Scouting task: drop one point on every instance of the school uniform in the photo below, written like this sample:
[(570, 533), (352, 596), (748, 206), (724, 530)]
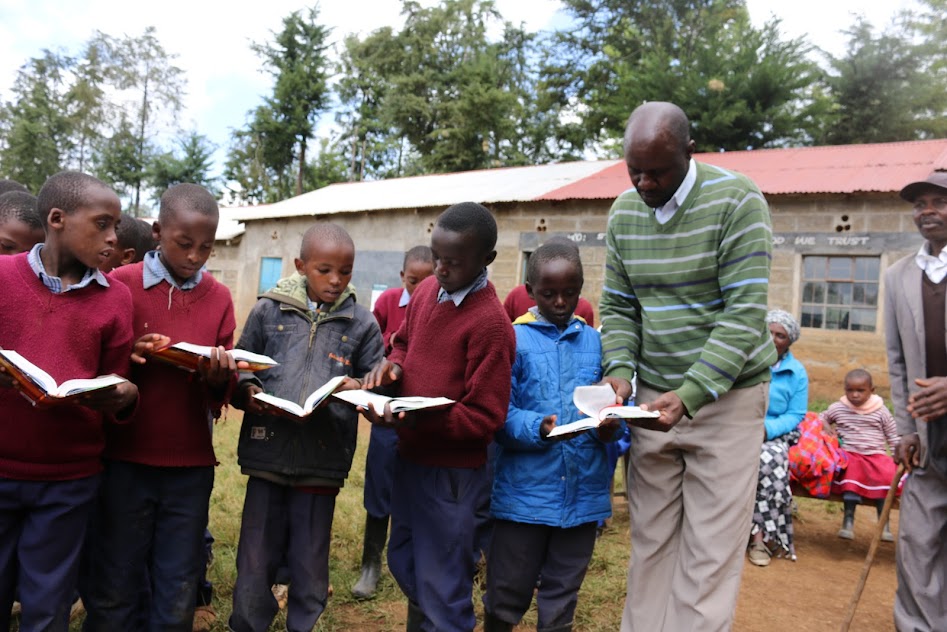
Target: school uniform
[(159, 469), (460, 346), (50, 458)]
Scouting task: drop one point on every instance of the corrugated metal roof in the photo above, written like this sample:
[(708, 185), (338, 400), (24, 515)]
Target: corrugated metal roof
[(513, 184), (227, 226), (877, 167)]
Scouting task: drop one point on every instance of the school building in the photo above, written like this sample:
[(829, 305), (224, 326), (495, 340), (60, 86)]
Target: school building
[(838, 224)]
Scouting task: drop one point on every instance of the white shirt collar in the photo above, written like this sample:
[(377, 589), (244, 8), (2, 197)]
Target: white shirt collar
[(934, 267), (666, 212)]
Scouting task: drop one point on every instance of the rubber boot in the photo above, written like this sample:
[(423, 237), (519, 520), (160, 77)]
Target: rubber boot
[(847, 532), (415, 618), (376, 533), (492, 624), (886, 535)]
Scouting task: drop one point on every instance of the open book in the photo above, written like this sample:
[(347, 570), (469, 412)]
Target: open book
[(398, 404), (187, 356), (293, 409), (39, 386), (598, 402)]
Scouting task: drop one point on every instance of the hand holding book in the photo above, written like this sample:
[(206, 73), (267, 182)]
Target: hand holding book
[(599, 403), (40, 388)]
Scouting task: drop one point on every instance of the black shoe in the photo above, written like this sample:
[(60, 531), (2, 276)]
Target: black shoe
[(492, 624), (847, 532), (415, 618), (376, 533)]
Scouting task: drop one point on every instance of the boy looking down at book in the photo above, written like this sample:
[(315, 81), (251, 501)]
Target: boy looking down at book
[(62, 314), (548, 495), (21, 227), (456, 342), (159, 470), (389, 311), (311, 324)]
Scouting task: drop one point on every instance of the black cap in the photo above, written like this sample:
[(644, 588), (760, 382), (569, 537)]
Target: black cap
[(937, 179)]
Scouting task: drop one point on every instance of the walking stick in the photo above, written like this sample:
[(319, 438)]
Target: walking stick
[(882, 521)]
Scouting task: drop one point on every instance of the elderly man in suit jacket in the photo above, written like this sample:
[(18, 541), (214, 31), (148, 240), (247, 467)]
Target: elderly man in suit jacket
[(917, 361)]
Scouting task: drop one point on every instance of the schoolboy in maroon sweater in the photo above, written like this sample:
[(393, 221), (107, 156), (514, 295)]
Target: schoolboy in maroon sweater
[(456, 342), (63, 315), (159, 470)]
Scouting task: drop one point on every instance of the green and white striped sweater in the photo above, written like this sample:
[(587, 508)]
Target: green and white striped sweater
[(684, 303)]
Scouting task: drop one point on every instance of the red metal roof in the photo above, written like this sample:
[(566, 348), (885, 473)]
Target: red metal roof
[(877, 167)]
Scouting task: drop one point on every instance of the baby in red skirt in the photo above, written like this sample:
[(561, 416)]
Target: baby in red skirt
[(863, 425)]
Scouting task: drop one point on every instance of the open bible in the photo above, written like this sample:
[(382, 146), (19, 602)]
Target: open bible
[(37, 385), (397, 404), (598, 402), (292, 409), (187, 356)]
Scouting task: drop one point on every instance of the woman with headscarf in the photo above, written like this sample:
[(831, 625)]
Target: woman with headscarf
[(771, 532)]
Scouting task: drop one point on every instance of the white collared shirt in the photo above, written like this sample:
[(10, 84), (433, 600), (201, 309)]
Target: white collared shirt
[(664, 213), (934, 267)]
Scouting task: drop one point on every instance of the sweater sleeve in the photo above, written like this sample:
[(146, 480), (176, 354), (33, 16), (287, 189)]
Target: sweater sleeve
[(521, 430), (743, 262), (786, 421), (620, 312), (228, 324), (890, 429), (117, 348)]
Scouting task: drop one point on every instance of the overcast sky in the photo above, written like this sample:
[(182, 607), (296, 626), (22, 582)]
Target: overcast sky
[(211, 38)]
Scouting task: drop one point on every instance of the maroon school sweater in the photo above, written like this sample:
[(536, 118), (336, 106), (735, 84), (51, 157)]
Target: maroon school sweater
[(172, 424), (388, 314), (465, 353), (77, 334)]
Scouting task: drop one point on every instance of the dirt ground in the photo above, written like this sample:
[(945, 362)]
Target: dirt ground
[(810, 594)]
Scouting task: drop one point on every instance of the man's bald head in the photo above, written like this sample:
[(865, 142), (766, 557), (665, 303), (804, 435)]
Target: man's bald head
[(657, 118), (658, 151)]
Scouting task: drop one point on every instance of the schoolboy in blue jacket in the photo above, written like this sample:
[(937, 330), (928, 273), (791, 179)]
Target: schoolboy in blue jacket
[(548, 495)]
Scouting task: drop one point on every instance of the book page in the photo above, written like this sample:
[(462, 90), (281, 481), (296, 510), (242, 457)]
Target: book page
[(364, 399), (590, 400), (283, 404), (629, 412), (416, 403), (187, 355), (78, 386), (576, 426), (321, 393), (30, 371)]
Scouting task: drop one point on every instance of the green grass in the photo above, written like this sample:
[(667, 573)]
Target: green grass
[(600, 600)]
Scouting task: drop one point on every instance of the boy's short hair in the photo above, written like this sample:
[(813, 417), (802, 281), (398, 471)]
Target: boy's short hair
[(859, 374), (324, 231), (127, 232), (66, 191), (144, 239), (20, 206), (549, 251), (11, 185), (418, 253), (471, 217), (192, 197)]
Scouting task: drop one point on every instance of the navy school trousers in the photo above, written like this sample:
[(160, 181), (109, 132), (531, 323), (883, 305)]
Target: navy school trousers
[(431, 547), (379, 467), (42, 529), (522, 554), (282, 525)]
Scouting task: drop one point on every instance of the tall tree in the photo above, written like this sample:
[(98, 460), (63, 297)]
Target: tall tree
[(892, 85), (36, 123), (146, 73), (87, 101), (119, 158), (192, 161), (743, 87), (297, 59)]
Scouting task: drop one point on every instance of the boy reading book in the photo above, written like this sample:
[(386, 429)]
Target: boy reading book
[(456, 342), (311, 324), (548, 495), (50, 457), (159, 469)]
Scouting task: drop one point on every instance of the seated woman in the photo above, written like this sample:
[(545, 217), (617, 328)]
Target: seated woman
[(788, 399)]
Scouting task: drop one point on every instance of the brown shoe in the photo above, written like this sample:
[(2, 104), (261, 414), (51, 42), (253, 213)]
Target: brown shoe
[(759, 554), (204, 617)]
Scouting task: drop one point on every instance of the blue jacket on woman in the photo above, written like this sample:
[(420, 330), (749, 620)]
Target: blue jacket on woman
[(557, 483), (788, 397)]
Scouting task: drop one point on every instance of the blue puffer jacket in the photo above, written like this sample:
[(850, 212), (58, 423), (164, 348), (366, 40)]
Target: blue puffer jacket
[(557, 483)]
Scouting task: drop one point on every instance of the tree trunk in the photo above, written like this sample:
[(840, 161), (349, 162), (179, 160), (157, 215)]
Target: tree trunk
[(141, 145), (302, 166)]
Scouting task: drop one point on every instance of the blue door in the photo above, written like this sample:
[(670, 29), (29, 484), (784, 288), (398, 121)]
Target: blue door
[(270, 270)]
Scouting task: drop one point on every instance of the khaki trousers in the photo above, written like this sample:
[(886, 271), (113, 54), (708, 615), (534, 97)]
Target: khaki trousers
[(690, 498)]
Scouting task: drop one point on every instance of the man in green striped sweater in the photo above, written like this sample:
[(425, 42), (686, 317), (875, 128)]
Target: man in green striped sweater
[(683, 305)]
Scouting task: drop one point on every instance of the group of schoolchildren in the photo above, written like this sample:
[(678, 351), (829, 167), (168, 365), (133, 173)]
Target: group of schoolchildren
[(110, 495)]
